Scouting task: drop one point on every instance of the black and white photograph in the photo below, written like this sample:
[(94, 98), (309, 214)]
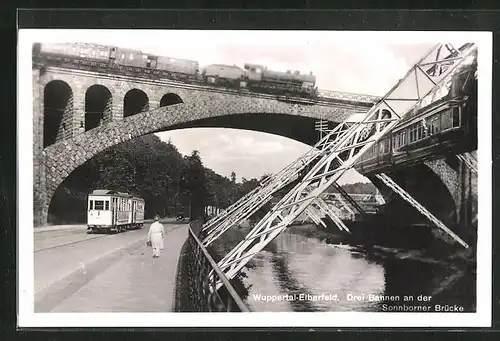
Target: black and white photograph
[(176, 178)]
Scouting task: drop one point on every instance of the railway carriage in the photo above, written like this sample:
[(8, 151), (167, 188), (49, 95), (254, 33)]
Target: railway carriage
[(178, 69), (128, 57), (94, 52), (228, 75), (112, 211), (446, 125), (79, 50), (253, 77)]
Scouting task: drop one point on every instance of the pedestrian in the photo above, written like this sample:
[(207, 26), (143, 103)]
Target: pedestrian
[(155, 236)]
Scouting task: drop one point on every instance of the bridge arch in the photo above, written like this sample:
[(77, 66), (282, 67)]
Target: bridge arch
[(461, 183), (135, 102), (203, 110), (425, 186), (57, 111), (98, 106), (169, 99)]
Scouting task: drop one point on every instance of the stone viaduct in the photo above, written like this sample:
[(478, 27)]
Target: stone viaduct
[(78, 114)]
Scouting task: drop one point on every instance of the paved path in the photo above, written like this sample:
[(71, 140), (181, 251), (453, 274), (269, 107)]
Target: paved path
[(55, 263), (127, 279)]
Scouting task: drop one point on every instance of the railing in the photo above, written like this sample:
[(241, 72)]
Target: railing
[(203, 296), (323, 94)]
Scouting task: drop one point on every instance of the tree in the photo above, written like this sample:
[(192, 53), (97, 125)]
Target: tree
[(194, 182), (169, 182)]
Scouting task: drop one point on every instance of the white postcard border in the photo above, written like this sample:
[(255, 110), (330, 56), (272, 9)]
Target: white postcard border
[(26, 315)]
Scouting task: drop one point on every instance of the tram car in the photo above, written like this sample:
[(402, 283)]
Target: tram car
[(112, 211), (251, 77), (446, 125)]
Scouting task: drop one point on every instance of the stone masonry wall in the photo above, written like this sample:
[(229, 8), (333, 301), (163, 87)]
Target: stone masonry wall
[(66, 155), (39, 176), (458, 181), (462, 184), (155, 91)]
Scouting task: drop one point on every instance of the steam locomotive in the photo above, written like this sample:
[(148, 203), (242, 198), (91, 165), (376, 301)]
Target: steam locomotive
[(252, 77)]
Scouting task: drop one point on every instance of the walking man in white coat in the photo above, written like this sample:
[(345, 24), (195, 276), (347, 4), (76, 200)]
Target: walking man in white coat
[(155, 237)]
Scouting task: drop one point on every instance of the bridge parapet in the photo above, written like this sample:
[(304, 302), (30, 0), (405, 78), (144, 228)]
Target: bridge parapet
[(197, 276), (346, 96), (60, 158), (77, 101)]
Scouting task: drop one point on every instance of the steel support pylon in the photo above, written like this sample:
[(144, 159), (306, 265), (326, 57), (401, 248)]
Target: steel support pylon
[(346, 196), (423, 80), (255, 199), (469, 160), (399, 190), (340, 198)]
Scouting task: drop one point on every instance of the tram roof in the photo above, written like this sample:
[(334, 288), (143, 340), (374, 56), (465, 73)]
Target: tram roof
[(110, 192)]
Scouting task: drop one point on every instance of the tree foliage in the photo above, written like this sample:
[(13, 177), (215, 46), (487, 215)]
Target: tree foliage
[(360, 188), (170, 183)]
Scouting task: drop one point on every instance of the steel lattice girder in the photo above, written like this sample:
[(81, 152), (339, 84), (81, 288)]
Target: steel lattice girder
[(396, 188), (346, 195), (423, 80), (469, 161), (253, 201), (340, 199)]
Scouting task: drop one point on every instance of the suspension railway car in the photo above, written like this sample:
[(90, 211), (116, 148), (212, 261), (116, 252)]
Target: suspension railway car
[(252, 77), (112, 211), (447, 125)]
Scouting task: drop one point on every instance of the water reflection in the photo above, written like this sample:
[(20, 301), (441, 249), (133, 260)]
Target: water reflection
[(305, 274)]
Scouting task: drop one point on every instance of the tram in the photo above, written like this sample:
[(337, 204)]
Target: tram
[(112, 211)]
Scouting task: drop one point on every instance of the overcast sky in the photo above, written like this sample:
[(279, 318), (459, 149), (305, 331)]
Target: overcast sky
[(358, 64)]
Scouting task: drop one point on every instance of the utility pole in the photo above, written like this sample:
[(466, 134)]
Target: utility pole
[(321, 126), (101, 172), (178, 187)]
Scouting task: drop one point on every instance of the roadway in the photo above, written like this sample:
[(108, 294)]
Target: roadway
[(80, 272)]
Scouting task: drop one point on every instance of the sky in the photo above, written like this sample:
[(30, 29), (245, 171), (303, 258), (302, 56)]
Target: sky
[(365, 64)]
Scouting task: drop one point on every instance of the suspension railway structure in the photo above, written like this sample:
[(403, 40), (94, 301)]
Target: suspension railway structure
[(324, 164)]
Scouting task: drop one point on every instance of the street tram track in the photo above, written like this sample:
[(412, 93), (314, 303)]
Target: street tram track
[(94, 238), (71, 243)]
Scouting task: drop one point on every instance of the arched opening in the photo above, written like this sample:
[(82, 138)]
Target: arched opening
[(57, 112), (135, 101), (425, 187), (169, 99), (297, 128), (98, 106)]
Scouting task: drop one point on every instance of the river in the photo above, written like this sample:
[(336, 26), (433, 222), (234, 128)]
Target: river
[(299, 273)]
